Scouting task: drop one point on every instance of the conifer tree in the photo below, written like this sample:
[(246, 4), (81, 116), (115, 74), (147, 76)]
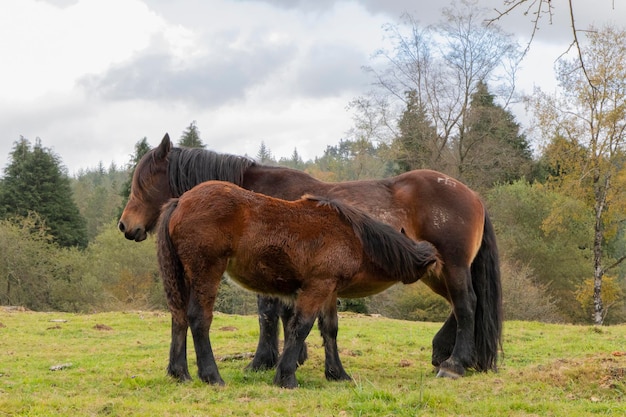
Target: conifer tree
[(35, 181), (191, 137), (416, 145), (264, 155), (492, 149)]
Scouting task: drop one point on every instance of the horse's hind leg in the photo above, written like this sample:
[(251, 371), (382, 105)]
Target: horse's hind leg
[(443, 342), (463, 300), (328, 324), (200, 314), (266, 354), (177, 367)]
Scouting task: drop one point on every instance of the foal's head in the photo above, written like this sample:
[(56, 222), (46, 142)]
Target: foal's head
[(150, 189)]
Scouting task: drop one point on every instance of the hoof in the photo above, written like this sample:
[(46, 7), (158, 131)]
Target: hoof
[(444, 373), (261, 364), (180, 376), (212, 378), (218, 382), (337, 376), (289, 383), (450, 369), (286, 381), (257, 367)]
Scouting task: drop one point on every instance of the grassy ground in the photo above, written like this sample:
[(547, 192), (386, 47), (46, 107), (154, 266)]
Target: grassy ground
[(113, 364)]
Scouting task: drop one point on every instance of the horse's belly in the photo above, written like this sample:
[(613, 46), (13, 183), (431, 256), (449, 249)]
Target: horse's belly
[(264, 278), (363, 288)]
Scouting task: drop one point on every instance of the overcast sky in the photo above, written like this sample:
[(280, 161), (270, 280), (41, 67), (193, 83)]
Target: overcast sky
[(92, 77)]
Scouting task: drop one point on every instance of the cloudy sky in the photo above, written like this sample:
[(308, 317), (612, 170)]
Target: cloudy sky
[(92, 77)]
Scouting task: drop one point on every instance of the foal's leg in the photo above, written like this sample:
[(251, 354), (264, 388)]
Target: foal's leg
[(286, 314), (266, 354), (177, 367), (328, 324), (178, 302), (297, 330), (200, 313)]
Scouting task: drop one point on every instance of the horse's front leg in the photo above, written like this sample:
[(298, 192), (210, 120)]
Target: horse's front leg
[(266, 354), (463, 300), (286, 314), (200, 315), (328, 323), (298, 329)]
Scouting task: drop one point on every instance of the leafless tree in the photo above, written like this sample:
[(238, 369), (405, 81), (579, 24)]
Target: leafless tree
[(443, 65)]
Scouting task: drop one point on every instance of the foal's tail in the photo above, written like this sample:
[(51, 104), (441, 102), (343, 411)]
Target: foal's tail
[(485, 271), (172, 271), (390, 250)]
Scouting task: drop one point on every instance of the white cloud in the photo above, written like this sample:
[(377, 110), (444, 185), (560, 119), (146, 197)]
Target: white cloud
[(47, 48), (92, 77)]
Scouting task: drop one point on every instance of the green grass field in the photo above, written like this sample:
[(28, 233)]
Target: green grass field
[(113, 364)]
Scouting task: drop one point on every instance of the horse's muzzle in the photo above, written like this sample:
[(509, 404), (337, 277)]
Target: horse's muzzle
[(138, 234)]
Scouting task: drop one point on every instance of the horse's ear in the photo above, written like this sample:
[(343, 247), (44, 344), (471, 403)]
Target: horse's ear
[(164, 147)]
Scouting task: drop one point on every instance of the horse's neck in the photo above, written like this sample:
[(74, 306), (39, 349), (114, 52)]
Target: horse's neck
[(281, 182), (189, 168)]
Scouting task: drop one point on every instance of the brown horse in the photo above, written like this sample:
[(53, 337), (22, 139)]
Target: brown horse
[(307, 251), (425, 205)]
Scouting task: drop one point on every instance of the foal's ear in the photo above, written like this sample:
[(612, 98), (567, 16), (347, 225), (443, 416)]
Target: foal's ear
[(164, 148)]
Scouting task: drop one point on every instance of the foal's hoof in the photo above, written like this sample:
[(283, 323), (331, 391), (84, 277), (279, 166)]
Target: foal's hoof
[(213, 380), (335, 375), (262, 362), (180, 376), (286, 381)]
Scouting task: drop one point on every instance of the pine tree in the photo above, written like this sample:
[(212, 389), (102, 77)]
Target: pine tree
[(35, 181), (264, 156), (191, 137), (493, 150), (416, 145)]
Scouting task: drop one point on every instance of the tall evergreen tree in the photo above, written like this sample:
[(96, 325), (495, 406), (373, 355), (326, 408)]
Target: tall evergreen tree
[(416, 145), (294, 161), (493, 150), (191, 137), (97, 193), (35, 181), (264, 156)]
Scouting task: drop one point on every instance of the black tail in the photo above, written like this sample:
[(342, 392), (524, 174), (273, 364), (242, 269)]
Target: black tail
[(485, 271), (172, 271)]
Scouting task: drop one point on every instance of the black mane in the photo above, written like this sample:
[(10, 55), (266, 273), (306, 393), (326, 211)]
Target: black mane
[(189, 167)]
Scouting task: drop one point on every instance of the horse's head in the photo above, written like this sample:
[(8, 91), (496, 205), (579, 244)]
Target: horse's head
[(149, 190)]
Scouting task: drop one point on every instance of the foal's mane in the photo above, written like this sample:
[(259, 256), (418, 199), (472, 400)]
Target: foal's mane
[(189, 167), (387, 248)]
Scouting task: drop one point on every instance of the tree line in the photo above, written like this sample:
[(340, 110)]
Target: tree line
[(440, 100)]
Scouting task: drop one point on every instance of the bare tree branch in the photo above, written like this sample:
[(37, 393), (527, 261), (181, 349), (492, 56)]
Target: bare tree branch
[(538, 9), (538, 13)]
